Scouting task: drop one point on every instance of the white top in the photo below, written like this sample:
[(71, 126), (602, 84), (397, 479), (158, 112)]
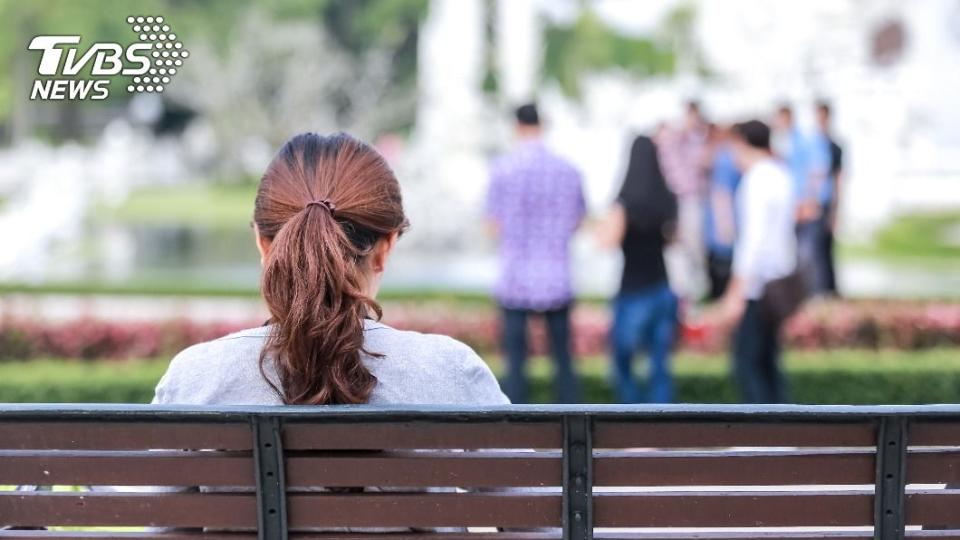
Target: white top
[(415, 369), (766, 244)]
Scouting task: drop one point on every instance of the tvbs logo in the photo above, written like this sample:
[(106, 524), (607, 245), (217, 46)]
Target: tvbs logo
[(151, 61)]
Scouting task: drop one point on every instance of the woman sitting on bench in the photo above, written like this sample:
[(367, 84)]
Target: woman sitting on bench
[(327, 215)]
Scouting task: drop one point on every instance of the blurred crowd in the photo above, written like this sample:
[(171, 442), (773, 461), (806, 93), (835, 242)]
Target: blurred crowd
[(698, 165), (740, 217)]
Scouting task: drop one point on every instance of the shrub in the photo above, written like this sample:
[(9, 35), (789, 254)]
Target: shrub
[(821, 325), (837, 377)]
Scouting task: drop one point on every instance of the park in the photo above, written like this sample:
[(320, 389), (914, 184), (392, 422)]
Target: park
[(477, 269)]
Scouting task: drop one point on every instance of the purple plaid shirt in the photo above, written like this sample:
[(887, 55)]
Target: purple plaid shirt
[(536, 199)]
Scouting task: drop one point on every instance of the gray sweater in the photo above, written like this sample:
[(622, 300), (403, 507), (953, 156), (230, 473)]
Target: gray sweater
[(416, 369)]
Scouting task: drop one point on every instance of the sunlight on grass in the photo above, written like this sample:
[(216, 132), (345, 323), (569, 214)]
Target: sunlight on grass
[(205, 205), (928, 237)]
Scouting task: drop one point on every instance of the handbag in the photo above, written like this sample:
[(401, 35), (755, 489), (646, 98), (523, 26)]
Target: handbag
[(782, 297)]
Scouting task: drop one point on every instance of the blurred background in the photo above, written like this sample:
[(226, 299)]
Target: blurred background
[(125, 222)]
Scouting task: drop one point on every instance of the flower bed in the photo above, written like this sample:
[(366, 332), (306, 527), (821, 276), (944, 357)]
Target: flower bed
[(866, 324)]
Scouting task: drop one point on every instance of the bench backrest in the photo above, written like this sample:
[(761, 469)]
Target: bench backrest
[(570, 472)]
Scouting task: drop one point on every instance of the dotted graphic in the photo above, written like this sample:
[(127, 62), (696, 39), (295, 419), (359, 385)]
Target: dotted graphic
[(166, 52)]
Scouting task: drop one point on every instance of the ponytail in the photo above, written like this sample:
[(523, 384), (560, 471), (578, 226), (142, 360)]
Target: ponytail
[(313, 276)]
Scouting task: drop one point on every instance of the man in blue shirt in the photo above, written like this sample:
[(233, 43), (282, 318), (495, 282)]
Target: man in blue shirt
[(720, 225), (808, 165), (792, 148)]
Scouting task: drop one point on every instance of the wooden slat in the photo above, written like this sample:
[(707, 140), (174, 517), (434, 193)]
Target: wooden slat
[(640, 534), (219, 510), (637, 534), (124, 535), (410, 435), (426, 469), (424, 510), (122, 436), (733, 509), (933, 467), (719, 435), (422, 535), (126, 468), (732, 468), (742, 534), (934, 433), (935, 508), (97, 535), (702, 534)]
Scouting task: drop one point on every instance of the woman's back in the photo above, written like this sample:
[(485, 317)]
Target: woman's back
[(414, 369), (327, 215), (649, 209)]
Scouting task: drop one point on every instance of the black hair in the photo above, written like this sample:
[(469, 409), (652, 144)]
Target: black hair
[(527, 115), (753, 132), (824, 107), (649, 204), (693, 106), (784, 108)]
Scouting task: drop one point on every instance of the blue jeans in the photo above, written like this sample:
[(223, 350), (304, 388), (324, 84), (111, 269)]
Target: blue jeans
[(815, 254), (644, 320), (515, 349)]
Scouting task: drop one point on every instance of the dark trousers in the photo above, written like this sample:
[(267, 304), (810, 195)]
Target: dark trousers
[(827, 272), (808, 252), (718, 269), (756, 358), (514, 336), (815, 251)]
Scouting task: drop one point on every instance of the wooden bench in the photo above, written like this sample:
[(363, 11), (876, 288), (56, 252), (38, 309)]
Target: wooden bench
[(725, 472)]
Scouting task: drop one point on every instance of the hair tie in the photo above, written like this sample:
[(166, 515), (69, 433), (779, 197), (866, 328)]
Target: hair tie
[(326, 203)]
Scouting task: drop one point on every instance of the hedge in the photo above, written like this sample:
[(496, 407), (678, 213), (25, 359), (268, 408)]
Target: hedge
[(837, 377), (822, 325)]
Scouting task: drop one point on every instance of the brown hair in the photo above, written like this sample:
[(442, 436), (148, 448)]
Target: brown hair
[(323, 202)]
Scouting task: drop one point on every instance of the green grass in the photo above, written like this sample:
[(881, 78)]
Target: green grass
[(203, 205), (128, 288), (79, 381), (843, 376), (918, 237), (182, 288)]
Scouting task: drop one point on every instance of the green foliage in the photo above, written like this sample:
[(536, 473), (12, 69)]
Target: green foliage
[(136, 286), (845, 377), (925, 241), (922, 235), (491, 82), (835, 377), (358, 26), (219, 206), (589, 45), (184, 288), (23, 20), (58, 381)]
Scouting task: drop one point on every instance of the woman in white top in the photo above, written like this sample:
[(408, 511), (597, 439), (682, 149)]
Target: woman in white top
[(327, 215)]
